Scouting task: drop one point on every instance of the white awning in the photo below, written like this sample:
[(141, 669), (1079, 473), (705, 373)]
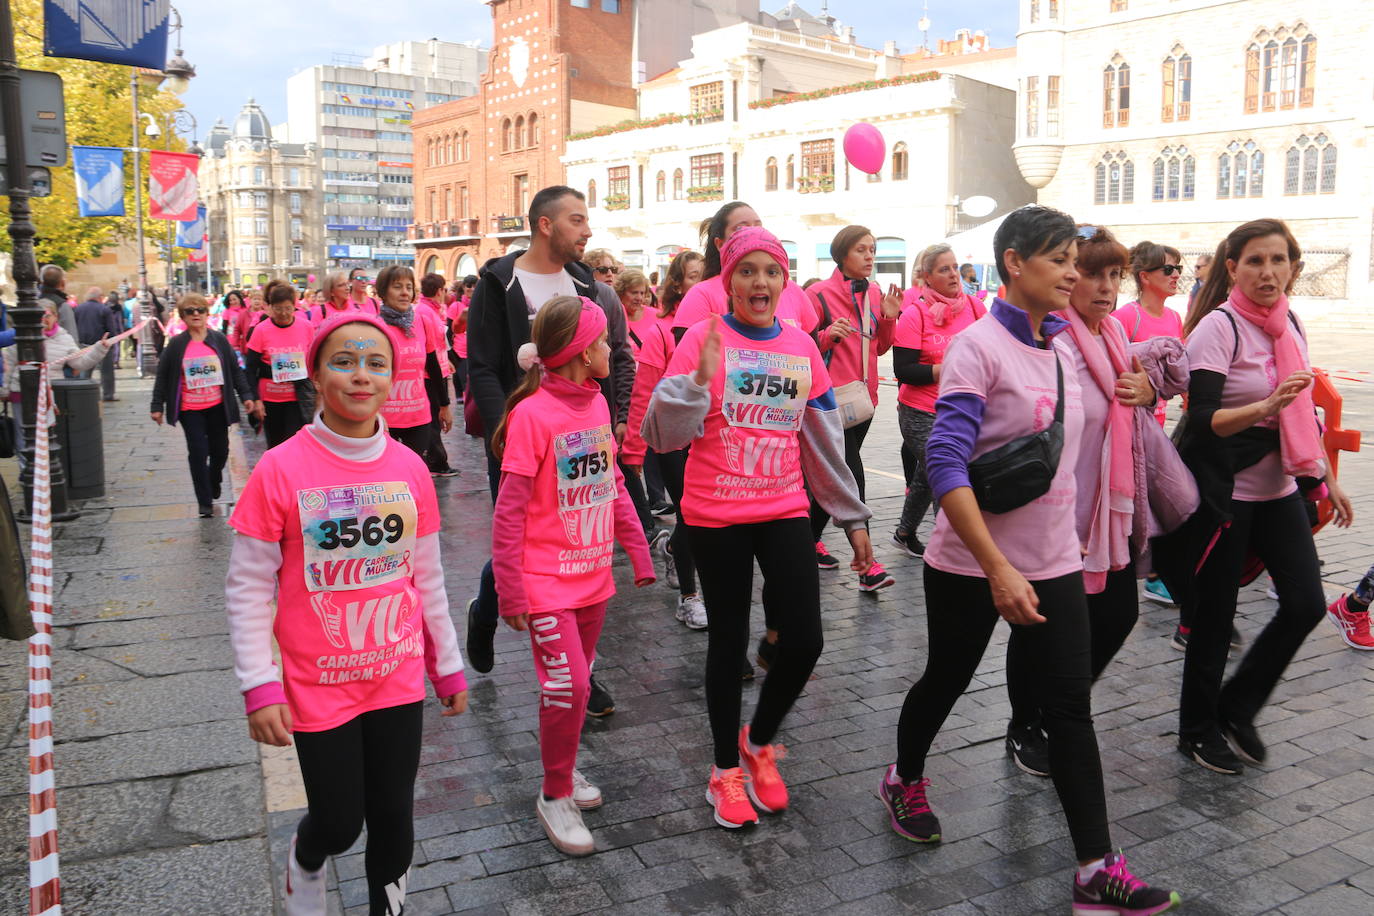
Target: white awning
[(975, 245)]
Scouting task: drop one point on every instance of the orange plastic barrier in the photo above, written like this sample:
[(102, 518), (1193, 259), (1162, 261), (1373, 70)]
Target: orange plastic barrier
[(1335, 439)]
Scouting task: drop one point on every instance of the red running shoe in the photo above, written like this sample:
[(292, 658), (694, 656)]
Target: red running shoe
[(765, 785)]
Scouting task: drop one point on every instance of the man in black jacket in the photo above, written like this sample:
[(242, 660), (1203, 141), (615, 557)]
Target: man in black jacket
[(510, 291), (94, 320)]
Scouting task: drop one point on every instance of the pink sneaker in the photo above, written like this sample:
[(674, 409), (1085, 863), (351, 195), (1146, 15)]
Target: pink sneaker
[(823, 558), (765, 785), (1354, 628), (875, 578)]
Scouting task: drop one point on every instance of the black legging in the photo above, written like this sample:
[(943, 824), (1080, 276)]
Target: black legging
[(1278, 533), (853, 442), (207, 449), (362, 772), (1112, 615), (960, 616), (673, 464), (280, 421), (416, 438), (725, 562), (634, 485)]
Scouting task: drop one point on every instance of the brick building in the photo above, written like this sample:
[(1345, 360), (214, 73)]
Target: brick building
[(556, 67)]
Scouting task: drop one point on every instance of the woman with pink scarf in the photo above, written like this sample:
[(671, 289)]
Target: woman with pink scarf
[(1252, 440)]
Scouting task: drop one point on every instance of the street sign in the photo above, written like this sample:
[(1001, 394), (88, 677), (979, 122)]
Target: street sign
[(45, 119), (40, 182)]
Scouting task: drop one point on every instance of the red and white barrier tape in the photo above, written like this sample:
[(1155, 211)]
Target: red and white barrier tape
[(45, 890)]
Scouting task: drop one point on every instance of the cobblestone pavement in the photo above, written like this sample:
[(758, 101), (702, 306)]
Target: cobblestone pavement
[(165, 806)]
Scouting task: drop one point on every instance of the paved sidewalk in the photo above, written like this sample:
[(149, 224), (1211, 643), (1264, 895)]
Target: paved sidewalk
[(162, 806)]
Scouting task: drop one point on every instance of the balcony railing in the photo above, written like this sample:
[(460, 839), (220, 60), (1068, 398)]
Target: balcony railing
[(706, 192), (816, 184)]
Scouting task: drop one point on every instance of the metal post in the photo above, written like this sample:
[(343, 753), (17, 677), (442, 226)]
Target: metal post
[(27, 313), (147, 355)]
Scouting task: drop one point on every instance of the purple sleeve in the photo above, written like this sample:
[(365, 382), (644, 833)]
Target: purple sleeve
[(958, 418)]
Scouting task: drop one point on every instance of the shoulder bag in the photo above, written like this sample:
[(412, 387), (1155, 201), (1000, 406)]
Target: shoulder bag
[(1021, 471), (853, 400)]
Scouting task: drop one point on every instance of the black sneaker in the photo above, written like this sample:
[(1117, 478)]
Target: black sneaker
[(908, 808), (481, 651), (1180, 639), (658, 538), (207, 511), (823, 558), (1029, 749), (599, 704), (663, 509), (875, 578), (444, 472), (1213, 753), (767, 653), (216, 489), (1245, 740), (909, 543), (1116, 890)]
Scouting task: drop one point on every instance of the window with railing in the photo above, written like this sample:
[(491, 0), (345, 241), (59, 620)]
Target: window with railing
[(770, 174), (1116, 93), (463, 211), (1052, 106), (817, 165), (708, 177), (1032, 94), (1175, 175), (1114, 179), (1310, 166), (707, 101), (520, 193), (618, 188), (1177, 92), (1281, 70), (1240, 171)]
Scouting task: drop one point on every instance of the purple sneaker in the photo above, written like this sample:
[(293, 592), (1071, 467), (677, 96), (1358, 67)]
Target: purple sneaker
[(1116, 892), (908, 808)]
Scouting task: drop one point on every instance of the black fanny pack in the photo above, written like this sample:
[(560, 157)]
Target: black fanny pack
[(1021, 471)]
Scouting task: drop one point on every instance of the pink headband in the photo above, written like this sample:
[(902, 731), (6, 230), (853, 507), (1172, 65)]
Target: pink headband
[(337, 320), (590, 325), (749, 239)]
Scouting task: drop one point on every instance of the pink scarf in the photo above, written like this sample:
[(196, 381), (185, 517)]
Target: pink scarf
[(944, 309), (1299, 445), (1109, 549)]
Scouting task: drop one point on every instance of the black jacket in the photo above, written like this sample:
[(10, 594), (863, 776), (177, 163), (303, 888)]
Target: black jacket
[(498, 323), (167, 387)]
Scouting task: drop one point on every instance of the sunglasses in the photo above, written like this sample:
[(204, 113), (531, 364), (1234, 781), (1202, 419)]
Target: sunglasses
[(1170, 269), (195, 311), (607, 270)]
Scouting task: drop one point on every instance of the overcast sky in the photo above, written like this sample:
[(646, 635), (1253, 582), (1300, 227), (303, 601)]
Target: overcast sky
[(249, 47)]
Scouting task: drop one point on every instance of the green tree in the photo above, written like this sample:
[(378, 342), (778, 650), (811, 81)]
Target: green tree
[(99, 110)]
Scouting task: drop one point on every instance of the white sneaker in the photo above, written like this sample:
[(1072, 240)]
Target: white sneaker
[(691, 610), (304, 889), (562, 821), (669, 567), (585, 795)]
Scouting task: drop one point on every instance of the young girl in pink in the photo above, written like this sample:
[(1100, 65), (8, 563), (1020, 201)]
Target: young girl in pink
[(341, 524), (561, 507)]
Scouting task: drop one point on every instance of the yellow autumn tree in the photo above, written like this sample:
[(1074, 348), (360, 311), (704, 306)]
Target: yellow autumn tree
[(99, 109)]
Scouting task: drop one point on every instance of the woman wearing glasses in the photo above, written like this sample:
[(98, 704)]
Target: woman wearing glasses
[(357, 293), (192, 375), (603, 265), (1156, 269)]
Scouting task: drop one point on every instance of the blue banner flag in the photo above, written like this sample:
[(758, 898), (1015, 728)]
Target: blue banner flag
[(99, 180), (131, 32), (191, 232)]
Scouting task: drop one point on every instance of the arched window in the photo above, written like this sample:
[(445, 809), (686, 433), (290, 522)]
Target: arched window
[(1114, 179), (900, 160), (1116, 93), (434, 265), (677, 184), (770, 174), (429, 151), (466, 148), (1288, 74), (1175, 175), (591, 193), (445, 156), (1310, 166), (1280, 69), (519, 132), (505, 136), (532, 129), (1269, 75), (1307, 77), (661, 187), (1240, 171), (791, 172), (1177, 92), (452, 149)]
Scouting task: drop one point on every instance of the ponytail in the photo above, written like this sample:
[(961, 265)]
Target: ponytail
[(1218, 286), (1215, 290), (528, 386)]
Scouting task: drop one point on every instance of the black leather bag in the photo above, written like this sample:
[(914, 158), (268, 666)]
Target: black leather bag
[(1021, 471)]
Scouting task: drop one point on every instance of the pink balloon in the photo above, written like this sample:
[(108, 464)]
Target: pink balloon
[(310, 279), (865, 147)]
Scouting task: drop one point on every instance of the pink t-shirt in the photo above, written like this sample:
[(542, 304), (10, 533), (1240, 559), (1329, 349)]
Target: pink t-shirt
[(708, 298), (638, 331), (1141, 325), (1017, 383), (460, 339), (321, 311), (746, 467), (916, 330), (437, 328), (283, 350), (349, 618), (569, 452), (1251, 376), (202, 377), (369, 304), (408, 404)]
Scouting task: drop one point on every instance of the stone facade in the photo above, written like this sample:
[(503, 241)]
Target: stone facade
[(1214, 91)]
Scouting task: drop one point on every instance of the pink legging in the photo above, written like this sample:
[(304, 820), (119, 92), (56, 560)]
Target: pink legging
[(564, 645)]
